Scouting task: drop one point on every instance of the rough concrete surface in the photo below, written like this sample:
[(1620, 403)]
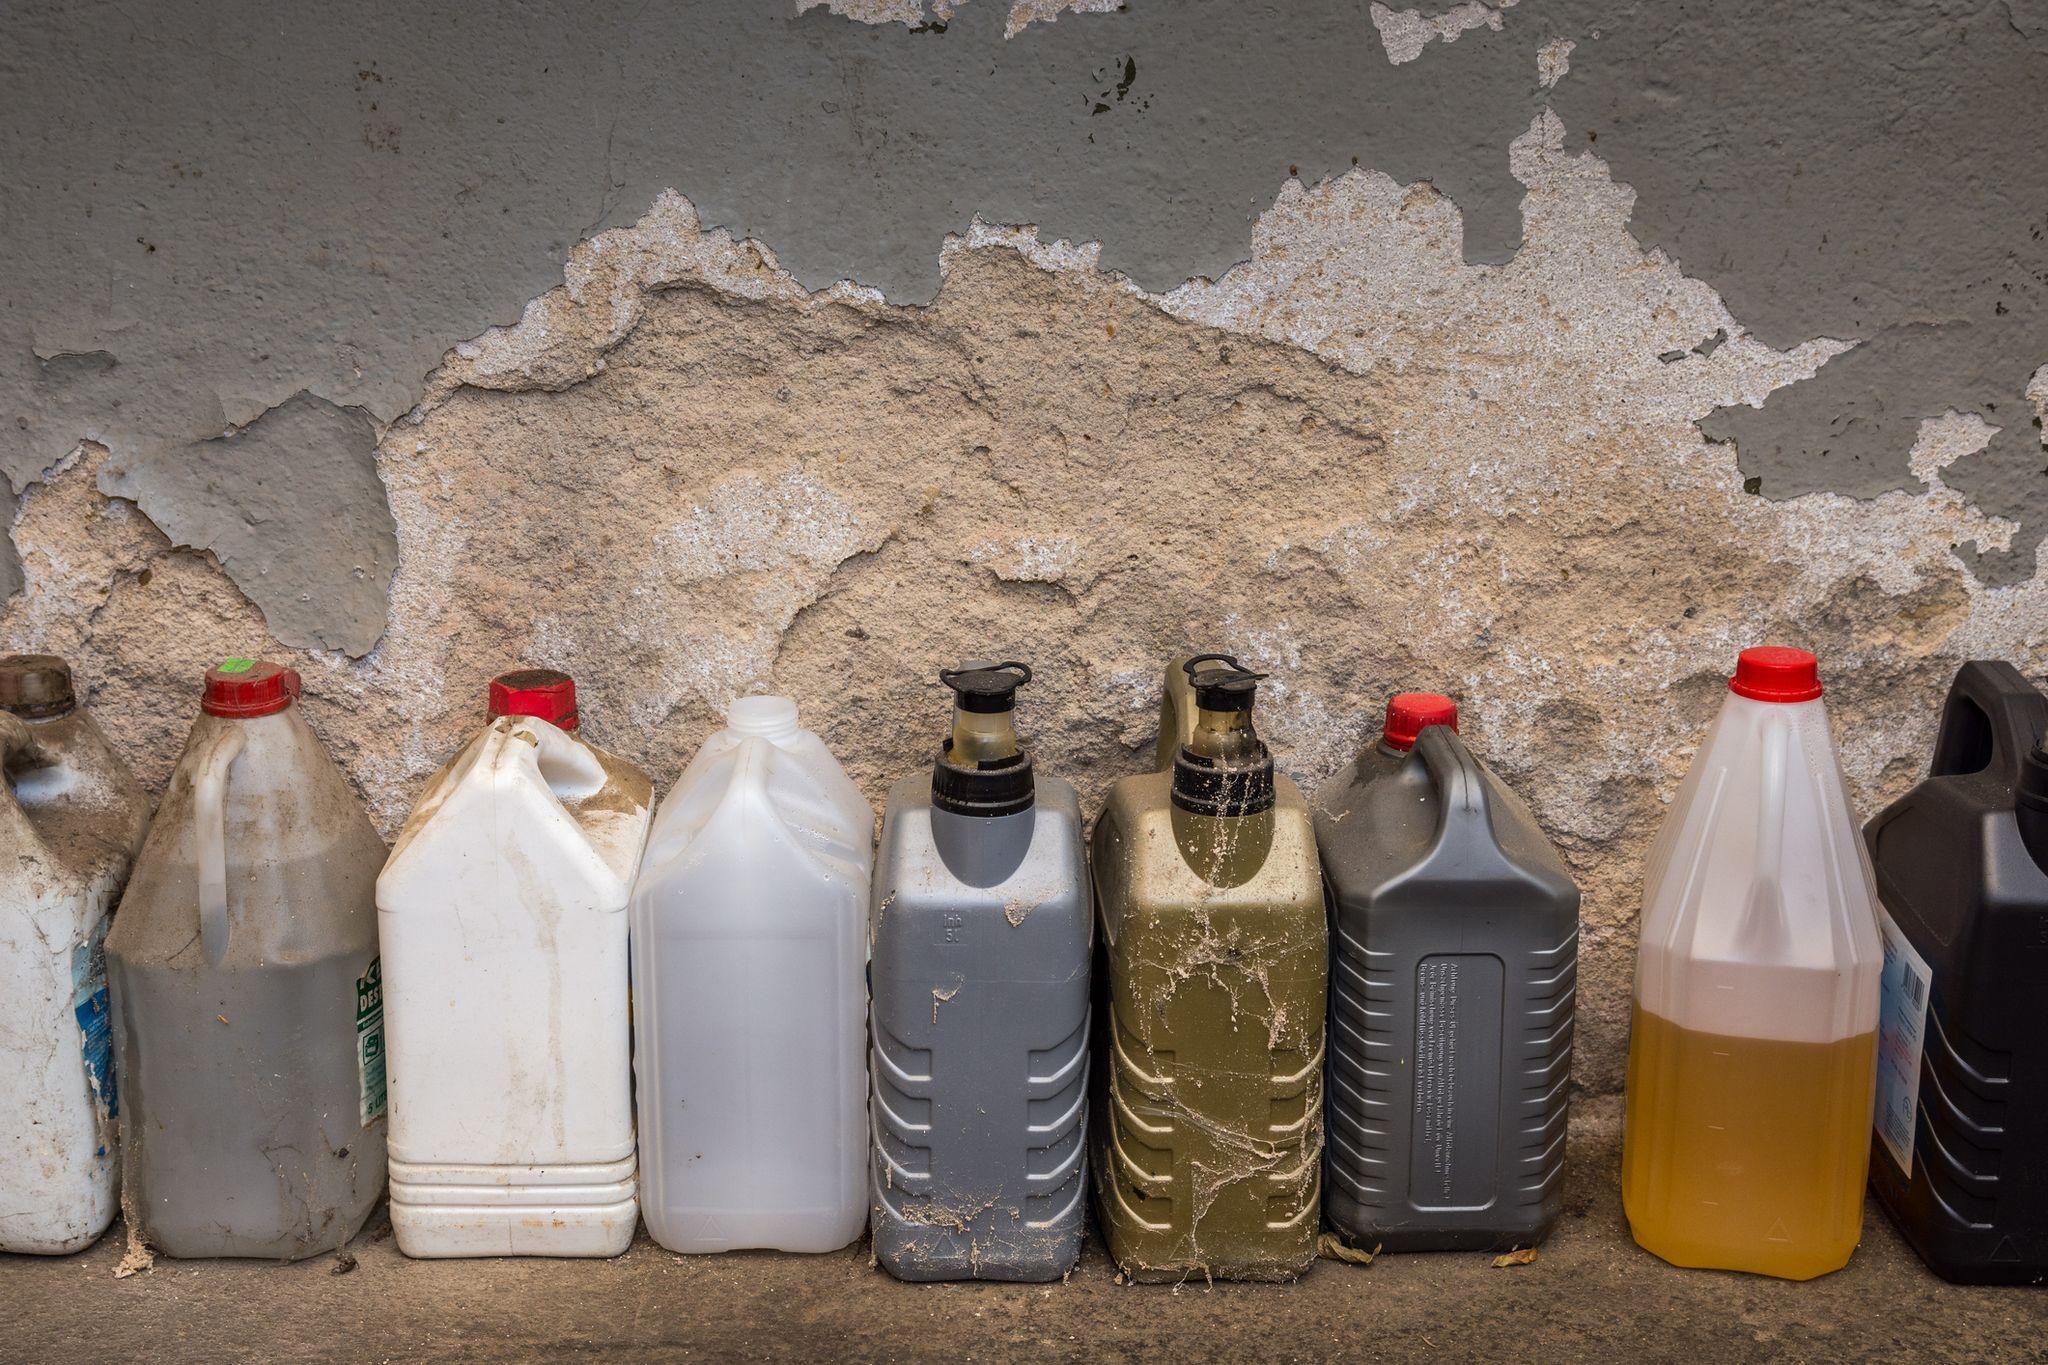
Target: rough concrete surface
[(1589, 1295), (213, 208)]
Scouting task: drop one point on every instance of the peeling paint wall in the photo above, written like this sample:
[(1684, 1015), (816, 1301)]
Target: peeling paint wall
[(702, 351)]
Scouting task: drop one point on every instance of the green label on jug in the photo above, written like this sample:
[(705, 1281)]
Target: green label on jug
[(370, 1038), (236, 665)]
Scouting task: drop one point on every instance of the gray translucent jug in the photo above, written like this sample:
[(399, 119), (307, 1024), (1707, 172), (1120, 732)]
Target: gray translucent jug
[(1453, 967), (980, 927), (248, 1008)]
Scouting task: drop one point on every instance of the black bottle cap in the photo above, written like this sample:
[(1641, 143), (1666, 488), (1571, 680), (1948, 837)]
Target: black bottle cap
[(34, 686), (1201, 786), (1003, 786), (987, 689), (1230, 688)]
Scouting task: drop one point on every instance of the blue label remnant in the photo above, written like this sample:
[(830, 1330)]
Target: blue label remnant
[(95, 1020)]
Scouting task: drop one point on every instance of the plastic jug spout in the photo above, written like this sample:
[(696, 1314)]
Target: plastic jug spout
[(2031, 804), (983, 769), (1224, 768)]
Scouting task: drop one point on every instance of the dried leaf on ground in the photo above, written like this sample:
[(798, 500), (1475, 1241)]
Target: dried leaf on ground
[(1332, 1247)]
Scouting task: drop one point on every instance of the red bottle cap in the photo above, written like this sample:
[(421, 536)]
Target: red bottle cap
[(241, 689), (1410, 713), (539, 692), (1775, 673)]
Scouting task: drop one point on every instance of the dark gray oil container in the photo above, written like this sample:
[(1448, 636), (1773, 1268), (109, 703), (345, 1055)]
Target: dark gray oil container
[(1960, 1153), (247, 1003), (1454, 962), (980, 928)]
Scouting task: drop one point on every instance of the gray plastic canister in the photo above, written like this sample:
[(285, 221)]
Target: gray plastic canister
[(247, 1002), (981, 932), (1454, 964)]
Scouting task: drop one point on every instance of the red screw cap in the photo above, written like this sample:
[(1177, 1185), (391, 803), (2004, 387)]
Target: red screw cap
[(538, 692), (1410, 713), (1775, 673), (242, 689)]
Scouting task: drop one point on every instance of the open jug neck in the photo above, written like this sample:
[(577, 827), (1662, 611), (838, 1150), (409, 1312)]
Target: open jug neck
[(982, 769), (1224, 768), (36, 687)]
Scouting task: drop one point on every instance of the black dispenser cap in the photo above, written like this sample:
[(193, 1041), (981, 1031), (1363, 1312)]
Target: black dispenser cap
[(1239, 785), (991, 787), (1230, 688), (987, 689)]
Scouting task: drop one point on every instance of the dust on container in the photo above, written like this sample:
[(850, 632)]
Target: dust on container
[(502, 915), (1454, 966), (248, 1006), (1960, 1154), (749, 997), (980, 925), (1754, 1036), (1211, 991), (71, 820)]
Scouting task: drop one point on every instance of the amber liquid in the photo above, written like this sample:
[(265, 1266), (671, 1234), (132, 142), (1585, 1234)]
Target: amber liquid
[(1746, 1153)]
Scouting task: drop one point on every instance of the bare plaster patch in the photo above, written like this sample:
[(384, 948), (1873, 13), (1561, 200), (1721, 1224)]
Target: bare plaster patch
[(1554, 61), (1404, 33), (914, 14)]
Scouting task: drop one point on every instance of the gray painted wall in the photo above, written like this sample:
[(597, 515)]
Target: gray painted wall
[(242, 215)]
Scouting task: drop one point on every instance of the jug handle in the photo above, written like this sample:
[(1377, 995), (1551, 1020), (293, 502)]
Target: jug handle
[(1990, 701), (1766, 908), (209, 809), (1465, 848), (570, 770), (19, 745)]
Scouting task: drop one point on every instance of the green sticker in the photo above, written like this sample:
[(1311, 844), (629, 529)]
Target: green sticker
[(370, 1039), (236, 665)]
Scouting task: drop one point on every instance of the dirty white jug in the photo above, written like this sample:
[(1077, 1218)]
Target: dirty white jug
[(502, 915), (71, 820), (749, 994), (1753, 1049)]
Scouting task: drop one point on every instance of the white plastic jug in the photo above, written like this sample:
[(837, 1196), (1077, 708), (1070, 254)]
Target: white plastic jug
[(1752, 1056), (71, 820), (749, 994), (502, 915)]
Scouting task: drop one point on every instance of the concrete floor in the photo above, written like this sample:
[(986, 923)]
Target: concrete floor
[(1591, 1294)]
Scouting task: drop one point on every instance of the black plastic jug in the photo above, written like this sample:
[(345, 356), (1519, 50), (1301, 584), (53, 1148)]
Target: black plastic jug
[(1453, 967), (1960, 1152)]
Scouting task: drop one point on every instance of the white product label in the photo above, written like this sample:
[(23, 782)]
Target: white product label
[(1901, 1034), (370, 1038)]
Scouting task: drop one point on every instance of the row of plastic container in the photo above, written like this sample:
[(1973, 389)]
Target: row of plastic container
[(1354, 1011)]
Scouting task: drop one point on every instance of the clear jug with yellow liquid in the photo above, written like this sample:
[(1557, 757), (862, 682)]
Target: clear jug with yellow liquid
[(1752, 1056)]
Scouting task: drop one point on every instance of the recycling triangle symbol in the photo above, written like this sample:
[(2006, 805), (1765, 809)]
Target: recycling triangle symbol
[(2006, 1250), (1777, 1232)]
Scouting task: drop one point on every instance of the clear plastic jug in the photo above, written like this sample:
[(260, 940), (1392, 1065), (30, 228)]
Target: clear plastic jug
[(71, 820), (749, 928), (1753, 1048), (248, 1004), (502, 915)]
